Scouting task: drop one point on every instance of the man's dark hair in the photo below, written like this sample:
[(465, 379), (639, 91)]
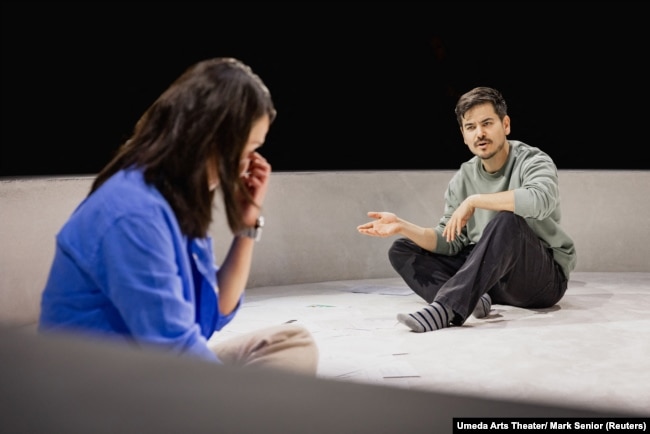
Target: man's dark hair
[(480, 95)]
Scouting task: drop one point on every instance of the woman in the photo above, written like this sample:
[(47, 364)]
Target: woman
[(134, 262)]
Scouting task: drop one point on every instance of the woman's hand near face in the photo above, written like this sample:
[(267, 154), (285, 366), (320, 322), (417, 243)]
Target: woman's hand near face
[(256, 179)]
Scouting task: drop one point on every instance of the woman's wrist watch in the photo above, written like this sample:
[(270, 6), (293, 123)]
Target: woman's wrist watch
[(256, 231)]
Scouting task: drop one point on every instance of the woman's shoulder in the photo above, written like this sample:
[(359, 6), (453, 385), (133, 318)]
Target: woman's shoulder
[(128, 190), (125, 200), (123, 195)]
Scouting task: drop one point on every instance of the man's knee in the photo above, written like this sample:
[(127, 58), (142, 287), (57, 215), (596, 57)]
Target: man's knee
[(505, 220), (399, 251)]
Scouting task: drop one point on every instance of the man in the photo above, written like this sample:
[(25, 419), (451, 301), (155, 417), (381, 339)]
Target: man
[(500, 239)]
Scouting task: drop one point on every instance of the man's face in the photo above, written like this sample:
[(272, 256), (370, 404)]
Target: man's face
[(483, 132)]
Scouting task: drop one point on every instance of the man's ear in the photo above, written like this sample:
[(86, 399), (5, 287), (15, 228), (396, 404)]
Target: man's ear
[(506, 124)]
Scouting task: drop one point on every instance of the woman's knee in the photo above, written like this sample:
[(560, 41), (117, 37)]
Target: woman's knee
[(302, 354)]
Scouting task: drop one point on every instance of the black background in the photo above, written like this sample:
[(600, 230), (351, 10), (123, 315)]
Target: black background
[(358, 86)]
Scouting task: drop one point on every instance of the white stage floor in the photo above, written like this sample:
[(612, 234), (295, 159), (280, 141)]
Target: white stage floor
[(591, 351)]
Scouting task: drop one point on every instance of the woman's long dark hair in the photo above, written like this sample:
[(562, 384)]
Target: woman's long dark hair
[(205, 115)]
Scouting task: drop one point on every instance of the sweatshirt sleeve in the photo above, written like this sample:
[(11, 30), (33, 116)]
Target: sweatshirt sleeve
[(537, 196)]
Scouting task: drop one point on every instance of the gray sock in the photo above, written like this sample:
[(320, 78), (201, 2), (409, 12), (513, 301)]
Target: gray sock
[(433, 317), (483, 306)]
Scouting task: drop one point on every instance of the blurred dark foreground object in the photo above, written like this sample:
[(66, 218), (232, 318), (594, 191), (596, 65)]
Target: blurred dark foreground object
[(66, 384)]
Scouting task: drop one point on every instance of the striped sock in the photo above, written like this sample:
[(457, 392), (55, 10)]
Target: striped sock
[(483, 306), (433, 317)]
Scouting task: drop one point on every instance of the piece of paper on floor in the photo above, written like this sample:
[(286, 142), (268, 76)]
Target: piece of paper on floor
[(380, 289), (398, 369)]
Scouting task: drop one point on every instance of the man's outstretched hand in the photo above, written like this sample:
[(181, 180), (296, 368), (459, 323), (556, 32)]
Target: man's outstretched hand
[(385, 224)]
